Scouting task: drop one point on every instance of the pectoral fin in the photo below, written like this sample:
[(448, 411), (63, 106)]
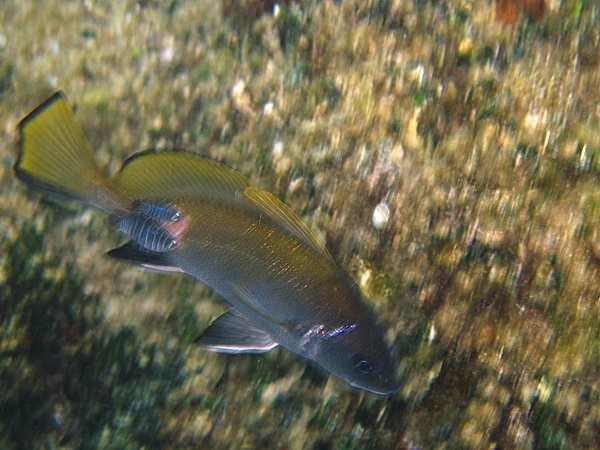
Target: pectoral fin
[(232, 333)]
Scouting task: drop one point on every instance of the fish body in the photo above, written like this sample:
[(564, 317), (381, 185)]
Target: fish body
[(189, 214)]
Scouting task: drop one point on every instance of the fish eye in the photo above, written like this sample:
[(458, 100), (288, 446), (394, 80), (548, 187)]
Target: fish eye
[(364, 367)]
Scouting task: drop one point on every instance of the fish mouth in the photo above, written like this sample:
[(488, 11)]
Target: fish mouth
[(384, 385), (389, 386)]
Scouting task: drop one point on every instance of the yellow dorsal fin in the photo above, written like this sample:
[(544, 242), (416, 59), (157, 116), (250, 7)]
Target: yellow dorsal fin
[(172, 174), (284, 217), (177, 174)]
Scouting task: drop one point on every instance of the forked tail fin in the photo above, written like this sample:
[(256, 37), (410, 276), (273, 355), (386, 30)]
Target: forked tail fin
[(55, 156)]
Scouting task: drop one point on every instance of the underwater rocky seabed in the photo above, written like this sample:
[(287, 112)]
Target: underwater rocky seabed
[(483, 139)]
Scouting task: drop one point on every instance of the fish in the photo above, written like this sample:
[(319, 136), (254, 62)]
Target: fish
[(186, 213)]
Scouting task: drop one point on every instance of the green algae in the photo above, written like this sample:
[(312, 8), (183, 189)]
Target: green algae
[(65, 381), (482, 139)]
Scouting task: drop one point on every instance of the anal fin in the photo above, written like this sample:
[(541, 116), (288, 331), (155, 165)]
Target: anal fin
[(233, 333)]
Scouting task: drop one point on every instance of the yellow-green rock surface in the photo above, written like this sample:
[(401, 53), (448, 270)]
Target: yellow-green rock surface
[(483, 139)]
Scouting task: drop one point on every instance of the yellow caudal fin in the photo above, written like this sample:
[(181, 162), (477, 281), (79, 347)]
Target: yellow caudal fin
[(55, 156)]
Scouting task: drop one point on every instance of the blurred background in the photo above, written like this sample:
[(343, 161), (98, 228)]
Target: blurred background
[(447, 152)]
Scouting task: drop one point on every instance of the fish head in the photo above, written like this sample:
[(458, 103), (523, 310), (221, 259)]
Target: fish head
[(357, 354)]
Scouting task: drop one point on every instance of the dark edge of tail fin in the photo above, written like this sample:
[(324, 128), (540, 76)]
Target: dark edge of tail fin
[(44, 188), (22, 175), (49, 101)]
